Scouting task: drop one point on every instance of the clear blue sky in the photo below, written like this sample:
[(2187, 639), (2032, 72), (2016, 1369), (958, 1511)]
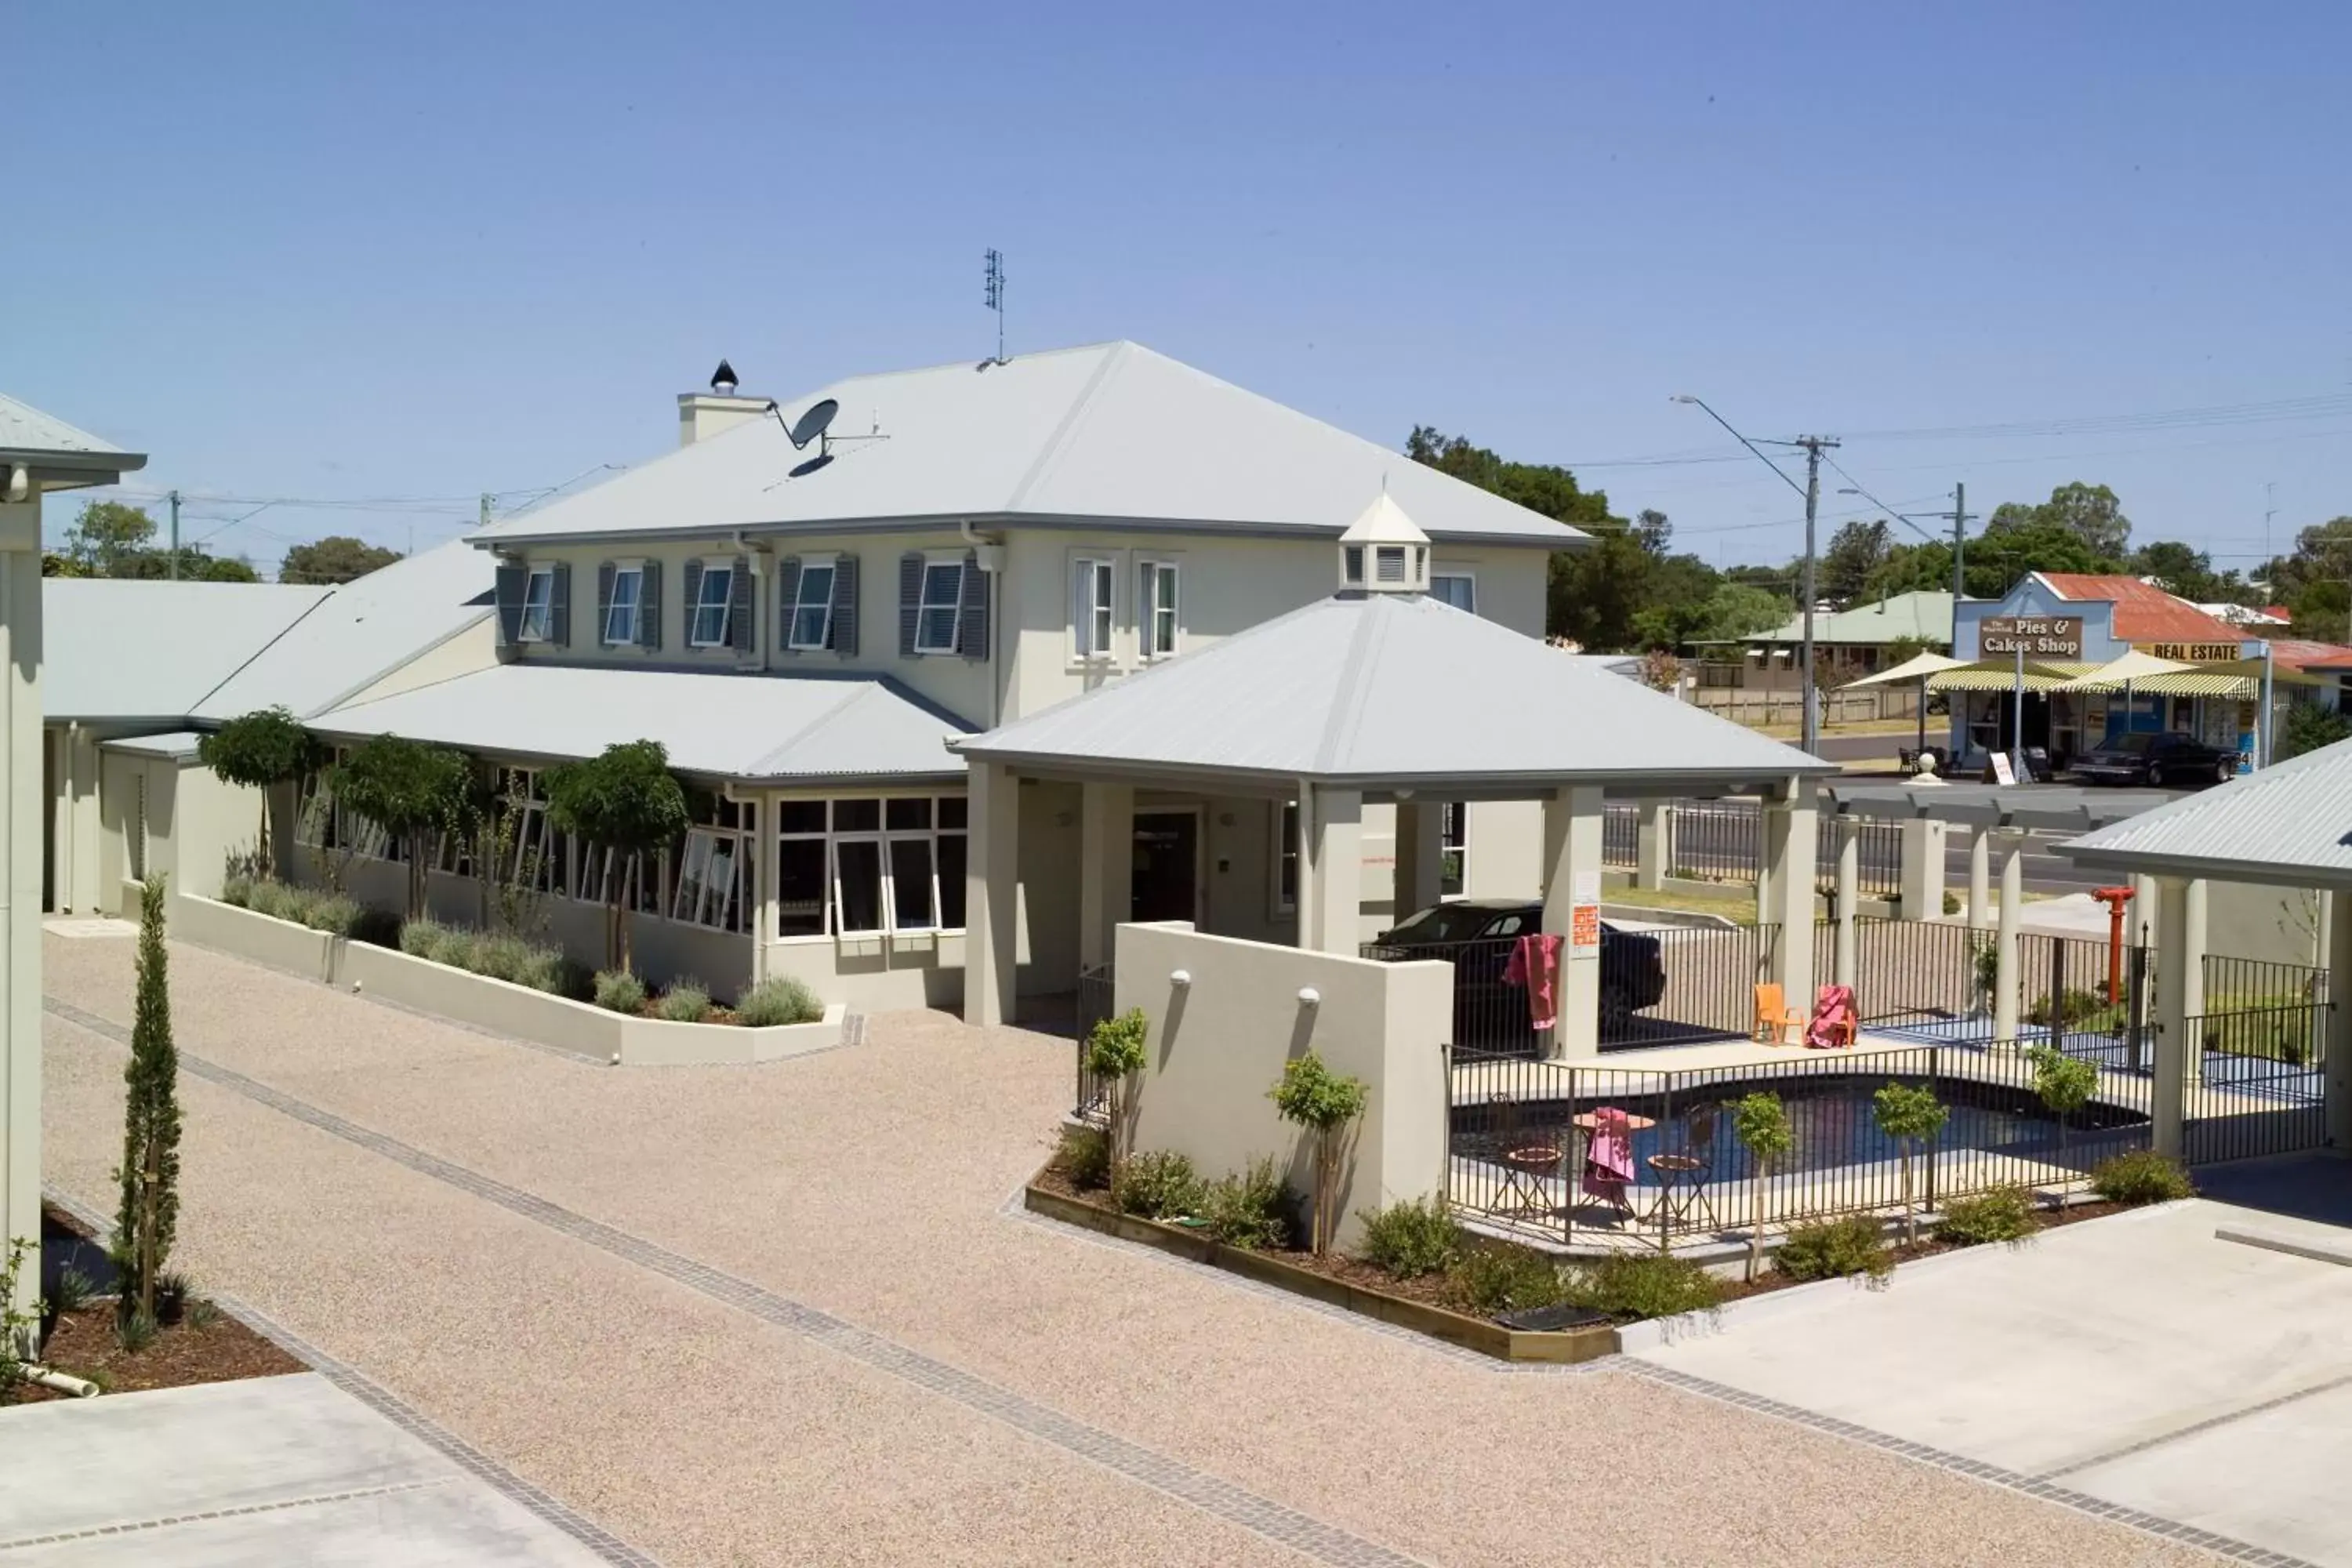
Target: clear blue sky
[(426, 250)]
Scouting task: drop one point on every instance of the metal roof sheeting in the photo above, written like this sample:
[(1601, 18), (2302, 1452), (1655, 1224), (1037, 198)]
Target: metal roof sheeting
[(1384, 689), (729, 726), (127, 649), (25, 429), (1923, 614), (1111, 432), (2290, 823)]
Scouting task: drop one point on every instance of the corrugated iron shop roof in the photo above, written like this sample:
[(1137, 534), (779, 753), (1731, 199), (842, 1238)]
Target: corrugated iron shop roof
[(2144, 611)]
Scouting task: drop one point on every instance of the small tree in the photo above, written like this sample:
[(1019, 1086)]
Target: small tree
[(1114, 1054), (1910, 1116), (2065, 1083), (151, 1122), (1312, 1096), (413, 792), (624, 800), (1762, 1124), (261, 751), (19, 1324)]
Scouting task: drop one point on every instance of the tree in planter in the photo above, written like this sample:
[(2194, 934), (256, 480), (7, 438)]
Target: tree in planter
[(150, 1123), (1114, 1054), (262, 750), (413, 792), (623, 799), (1910, 1115), (2065, 1083), (1312, 1096), (1762, 1124)]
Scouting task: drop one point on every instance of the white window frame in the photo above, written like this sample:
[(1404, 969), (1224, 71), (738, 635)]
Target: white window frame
[(882, 836), (1386, 555), (724, 570), (1093, 604), (1442, 573), (634, 572), (538, 606), (926, 607), (1149, 609), (801, 605), (1286, 854), (1453, 815)]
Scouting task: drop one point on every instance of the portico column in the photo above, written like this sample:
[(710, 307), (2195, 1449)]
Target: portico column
[(2338, 918), (2008, 968), (1106, 868), (1572, 831), (1653, 843), (2193, 969), (2175, 1053), (21, 805), (2143, 905), (1979, 877), (1849, 893), (1791, 828), (1335, 866), (1419, 857), (1921, 884), (763, 884), (991, 896)]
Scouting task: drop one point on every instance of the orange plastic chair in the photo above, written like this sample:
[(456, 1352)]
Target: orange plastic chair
[(1774, 1017)]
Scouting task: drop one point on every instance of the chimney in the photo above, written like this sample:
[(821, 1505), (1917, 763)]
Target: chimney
[(702, 414)]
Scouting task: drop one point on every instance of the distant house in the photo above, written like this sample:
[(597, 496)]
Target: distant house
[(1847, 645)]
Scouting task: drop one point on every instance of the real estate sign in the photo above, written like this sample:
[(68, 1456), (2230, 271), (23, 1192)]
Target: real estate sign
[(2036, 636), (2193, 652)]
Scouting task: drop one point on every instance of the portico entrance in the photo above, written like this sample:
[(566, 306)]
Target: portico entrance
[(1166, 876)]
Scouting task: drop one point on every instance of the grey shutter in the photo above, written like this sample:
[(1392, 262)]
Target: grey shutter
[(513, 578), (788, 593), (910, 599), (649, 607), (559, 607), (842, 637), (972, 615), (691, 581), (743, 608), (605, 571)]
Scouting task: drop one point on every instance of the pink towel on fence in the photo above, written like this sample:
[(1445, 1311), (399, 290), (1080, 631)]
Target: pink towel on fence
[(1609, 1156), (1535, 964), (1833, 1013)]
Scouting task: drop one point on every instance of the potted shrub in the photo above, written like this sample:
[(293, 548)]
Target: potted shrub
[(1762, 1124), (1909, 1115), (1115, 1054), (1327, 1105)]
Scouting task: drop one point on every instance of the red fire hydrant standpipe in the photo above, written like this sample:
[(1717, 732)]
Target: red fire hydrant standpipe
[(2115, 898)]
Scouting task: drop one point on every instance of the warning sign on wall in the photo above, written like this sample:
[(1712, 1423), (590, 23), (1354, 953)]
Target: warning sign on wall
[(1584, 925)]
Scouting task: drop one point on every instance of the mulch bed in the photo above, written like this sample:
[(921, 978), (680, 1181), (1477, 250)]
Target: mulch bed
[(222, 1351)]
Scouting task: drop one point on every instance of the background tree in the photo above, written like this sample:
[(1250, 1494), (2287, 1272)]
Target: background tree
[(2181, 570), (413, 792), (1327, 1105), (2090, 512), (1998, 561), (1602, 577), (106, 534), (623, 799), (261, 750), (56, 565), (2309, 726), (1856, 554), (338, 558), (150, 1123), (2315, 581)]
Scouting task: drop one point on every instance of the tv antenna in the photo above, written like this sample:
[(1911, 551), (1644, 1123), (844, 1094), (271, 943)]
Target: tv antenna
[(994, 293)]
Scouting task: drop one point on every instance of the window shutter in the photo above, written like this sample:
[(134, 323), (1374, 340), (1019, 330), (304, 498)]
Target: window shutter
[(649, 607), (605, 573), (844, 638), (513, 577), (910, 599), (559, 607), (743, 611), (972, 615), (691, 580), (788, 593)]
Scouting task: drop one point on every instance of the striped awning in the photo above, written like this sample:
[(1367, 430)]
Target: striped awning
[(2242, 681), (2001, 675)]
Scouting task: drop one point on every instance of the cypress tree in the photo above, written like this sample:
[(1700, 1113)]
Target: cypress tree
[(151, 1122)]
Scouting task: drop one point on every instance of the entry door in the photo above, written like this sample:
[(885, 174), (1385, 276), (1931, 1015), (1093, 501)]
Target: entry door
[(1167, 866)]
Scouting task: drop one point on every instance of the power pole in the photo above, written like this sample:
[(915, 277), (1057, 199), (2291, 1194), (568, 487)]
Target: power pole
[(483, 516), (175, 536), (1959, 551), (1812, 446)]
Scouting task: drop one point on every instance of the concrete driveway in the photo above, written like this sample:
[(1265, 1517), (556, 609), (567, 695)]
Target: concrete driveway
[(2138, 1361)]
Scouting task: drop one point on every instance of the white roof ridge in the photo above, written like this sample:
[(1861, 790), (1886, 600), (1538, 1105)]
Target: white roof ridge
[(1065, 431), (1356, 680)]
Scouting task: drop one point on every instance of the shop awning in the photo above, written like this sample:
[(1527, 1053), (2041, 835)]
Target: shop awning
[(2134, 668), (1918, 667), (2242, 679), (2001, 675)]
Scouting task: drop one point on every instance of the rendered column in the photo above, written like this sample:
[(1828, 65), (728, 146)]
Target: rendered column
[(2143, 910), (2175, 1053), (1419, 857), (1791, 830), (1979, 877), (21, 804), (1922, 877), (1653, 845), (1106, 868), (2008, 969), (2338, 918), (1572, 830), (2193, 973), (1849, 893), (991, 896), (1337, 871), (763, 886)]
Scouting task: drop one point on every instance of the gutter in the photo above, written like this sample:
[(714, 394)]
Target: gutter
[(508, 539)]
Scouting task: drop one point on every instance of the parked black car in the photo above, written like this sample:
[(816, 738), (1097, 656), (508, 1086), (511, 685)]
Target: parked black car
[(1478, 936), (2170, 760)]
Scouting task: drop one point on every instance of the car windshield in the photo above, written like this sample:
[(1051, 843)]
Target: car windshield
[(1445, 922)]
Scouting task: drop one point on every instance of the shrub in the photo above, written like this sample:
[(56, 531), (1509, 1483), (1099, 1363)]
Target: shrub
[(1833, 1248), (779, 999), (454, 945), (686, 1002), (134, 1331), (2141, 1176), (1410, 1239), (1952, 904), (1633, 1286), (1084, 1157), (172, 1294), (2004, 1214), (236, 888), (500, 957), (1250, 1208), (1158, 1185), (1327, 1104), (2085, 1011), (1500, 1276), (278, 900), (1114, 1054), (418, 937), (334, 914), (74, 1290), (618, 991), (1762, 1124), (377, 928), (1910, 1114)]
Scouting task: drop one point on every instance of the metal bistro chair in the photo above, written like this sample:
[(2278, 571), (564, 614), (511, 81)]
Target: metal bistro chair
[(1684, 1173)]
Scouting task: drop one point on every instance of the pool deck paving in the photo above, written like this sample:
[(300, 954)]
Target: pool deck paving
[(784, 1314)]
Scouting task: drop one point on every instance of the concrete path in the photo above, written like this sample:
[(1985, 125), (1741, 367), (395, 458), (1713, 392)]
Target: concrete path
[(2137, 1360), (273, 1469), (781, 1314)]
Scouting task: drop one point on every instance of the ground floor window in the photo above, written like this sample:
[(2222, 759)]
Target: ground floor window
[(865, 865), (1454, 849)]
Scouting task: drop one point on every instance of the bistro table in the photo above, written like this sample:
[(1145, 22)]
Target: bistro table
[(1586, 1122)]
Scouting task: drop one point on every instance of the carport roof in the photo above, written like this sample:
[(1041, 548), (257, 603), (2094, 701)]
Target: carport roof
[(1389, 690), (2290, 823)]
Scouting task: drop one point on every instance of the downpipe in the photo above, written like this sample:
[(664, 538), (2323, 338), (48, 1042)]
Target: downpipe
[(63, 1382)]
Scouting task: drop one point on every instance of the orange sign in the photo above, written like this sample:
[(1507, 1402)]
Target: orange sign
[(1584, 926)]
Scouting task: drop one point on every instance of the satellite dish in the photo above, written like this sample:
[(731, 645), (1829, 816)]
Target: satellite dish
[(815, 423), (722, 380)]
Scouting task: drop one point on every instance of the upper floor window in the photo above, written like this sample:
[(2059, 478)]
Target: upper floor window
[(812, 622), (621, 612), (1458, 589), (941, 603), (538, 606), (1156, 617), (709, 627), (1090, 608)]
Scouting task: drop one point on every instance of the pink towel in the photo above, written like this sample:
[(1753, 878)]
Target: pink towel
[(1832, 1010), (1535, 964), (1609, 1156)]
